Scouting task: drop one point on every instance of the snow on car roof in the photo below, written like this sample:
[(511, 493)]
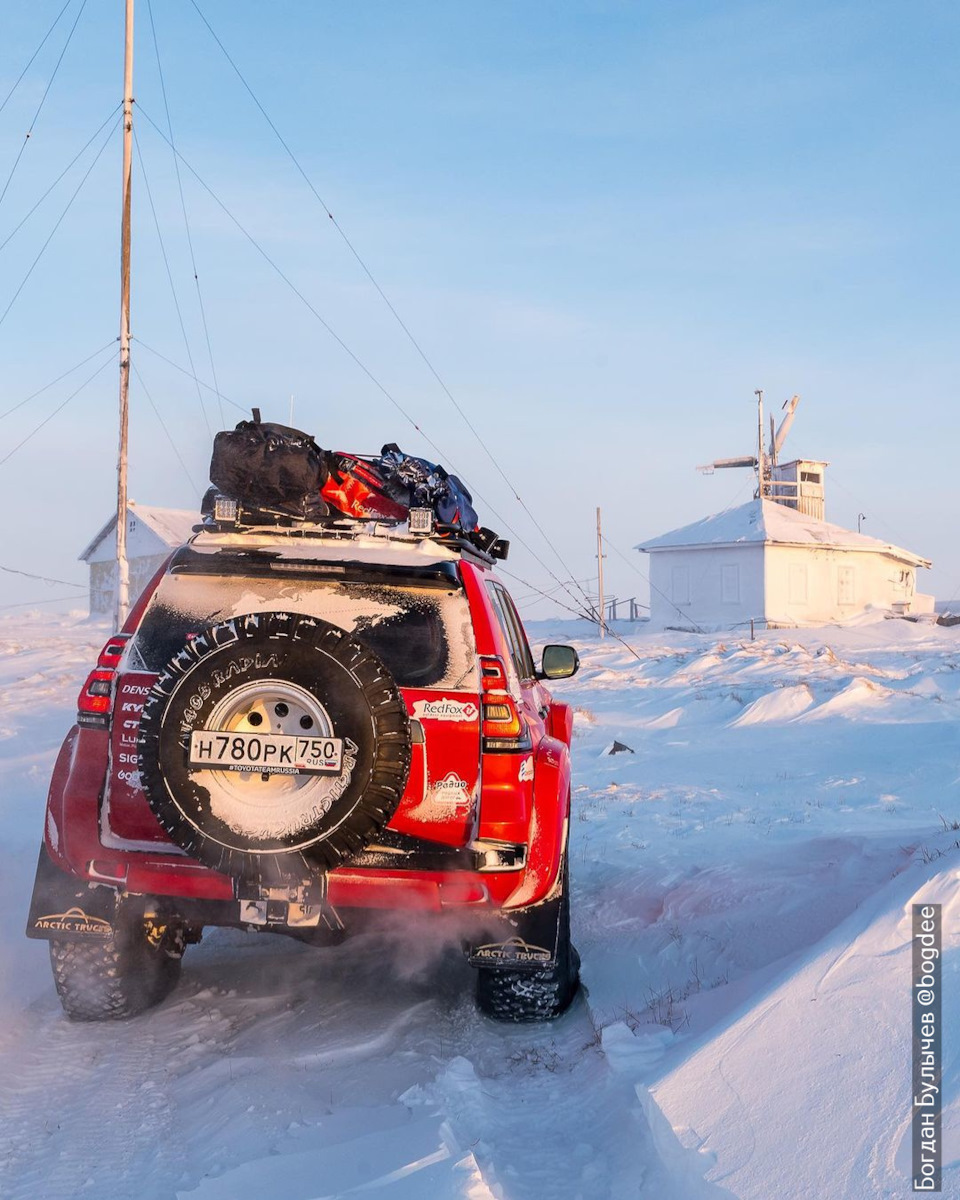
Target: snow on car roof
[(393, 550)]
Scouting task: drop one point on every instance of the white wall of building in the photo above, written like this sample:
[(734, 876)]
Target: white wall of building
[(103, 581), (721, 586), (151, 535), (713, 586), (141, 541), (814, 585)]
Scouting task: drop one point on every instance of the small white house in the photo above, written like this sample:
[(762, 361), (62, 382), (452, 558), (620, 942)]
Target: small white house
[(775, 564), (151, 534)]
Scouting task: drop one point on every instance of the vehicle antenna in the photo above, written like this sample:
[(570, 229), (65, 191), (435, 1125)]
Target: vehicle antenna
[(600, 557)]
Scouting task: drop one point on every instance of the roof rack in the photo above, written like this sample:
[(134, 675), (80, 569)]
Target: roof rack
[(227, 516)]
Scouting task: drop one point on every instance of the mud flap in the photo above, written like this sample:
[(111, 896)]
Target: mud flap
[(68, 909), (530, 939)]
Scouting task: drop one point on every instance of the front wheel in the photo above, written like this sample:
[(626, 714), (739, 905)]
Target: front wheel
[(538, 993), (119, 976)]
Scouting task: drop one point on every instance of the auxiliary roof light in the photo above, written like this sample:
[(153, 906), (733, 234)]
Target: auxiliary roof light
[(224, 509), (421, 520)]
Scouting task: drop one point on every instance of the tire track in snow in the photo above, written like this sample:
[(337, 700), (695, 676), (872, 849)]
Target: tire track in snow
[(78, 1097), (544, 1113), (268, 1050)]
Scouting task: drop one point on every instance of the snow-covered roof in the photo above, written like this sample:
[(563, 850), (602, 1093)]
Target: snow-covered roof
[(173, 526), (765, 522)]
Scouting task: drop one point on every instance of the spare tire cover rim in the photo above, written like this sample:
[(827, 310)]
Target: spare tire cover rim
[(269, 805), (229, 667)]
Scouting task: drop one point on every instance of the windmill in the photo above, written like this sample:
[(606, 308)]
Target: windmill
[(797, 484)]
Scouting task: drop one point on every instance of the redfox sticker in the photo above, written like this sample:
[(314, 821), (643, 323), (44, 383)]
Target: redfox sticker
[(445, 709)]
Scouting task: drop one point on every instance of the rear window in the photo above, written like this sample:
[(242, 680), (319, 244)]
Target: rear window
[(423, 635), (512, 630)]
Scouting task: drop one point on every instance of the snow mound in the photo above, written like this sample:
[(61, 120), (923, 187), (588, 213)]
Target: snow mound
[(858, 696), (667, 720), (781, 705), (811, 1025)]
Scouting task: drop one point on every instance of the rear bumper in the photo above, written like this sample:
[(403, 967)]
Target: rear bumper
[(401, 875), (65, 906)]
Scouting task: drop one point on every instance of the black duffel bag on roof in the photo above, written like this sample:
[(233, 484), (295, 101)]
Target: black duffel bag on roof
[(264, 465)]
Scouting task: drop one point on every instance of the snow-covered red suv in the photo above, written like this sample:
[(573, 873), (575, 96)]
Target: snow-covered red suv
[(299, 723)]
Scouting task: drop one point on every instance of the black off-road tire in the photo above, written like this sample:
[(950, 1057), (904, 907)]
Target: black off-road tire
[(112, 978), (352, 690), (539, 993)]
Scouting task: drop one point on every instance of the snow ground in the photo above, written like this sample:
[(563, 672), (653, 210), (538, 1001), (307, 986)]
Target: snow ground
[(741, 883)]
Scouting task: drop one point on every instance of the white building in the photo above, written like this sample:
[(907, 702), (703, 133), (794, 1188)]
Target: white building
[(775, 564), (151, 534)]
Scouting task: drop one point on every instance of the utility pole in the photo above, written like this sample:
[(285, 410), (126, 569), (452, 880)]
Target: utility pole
[(762, 489), (123, 567), (603, 618)]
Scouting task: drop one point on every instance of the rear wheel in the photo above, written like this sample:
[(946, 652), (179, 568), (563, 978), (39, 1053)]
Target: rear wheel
[(539, 993), (119, 976)]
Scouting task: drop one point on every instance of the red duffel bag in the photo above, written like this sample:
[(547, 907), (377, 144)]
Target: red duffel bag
[(355, 487)]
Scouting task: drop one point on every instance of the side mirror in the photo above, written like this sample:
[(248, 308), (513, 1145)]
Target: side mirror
[(559, 662)]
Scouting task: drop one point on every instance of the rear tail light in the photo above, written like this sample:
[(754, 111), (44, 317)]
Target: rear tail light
[(493, 674), (95, 702), (504, 730), (110, 654)]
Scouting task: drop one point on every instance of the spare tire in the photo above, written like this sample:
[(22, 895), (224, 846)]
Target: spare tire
[(301, 686)]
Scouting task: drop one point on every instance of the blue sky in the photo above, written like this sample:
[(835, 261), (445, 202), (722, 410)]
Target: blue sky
[(606, 223)]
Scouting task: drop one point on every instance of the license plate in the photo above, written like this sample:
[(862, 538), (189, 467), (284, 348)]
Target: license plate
[(273, 753)]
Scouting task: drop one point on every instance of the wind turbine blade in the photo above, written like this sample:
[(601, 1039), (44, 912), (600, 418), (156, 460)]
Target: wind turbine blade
[(791, 407), (722, 463)]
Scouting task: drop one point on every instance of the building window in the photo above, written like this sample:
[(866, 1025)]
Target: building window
[(680, 585), (809, 476), (846, 591), (798, 583), (730, 583)]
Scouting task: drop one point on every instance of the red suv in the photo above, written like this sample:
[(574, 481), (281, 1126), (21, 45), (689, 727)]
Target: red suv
[(299, 722)]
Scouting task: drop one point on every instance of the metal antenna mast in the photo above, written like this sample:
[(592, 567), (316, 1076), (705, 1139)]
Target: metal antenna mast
[(603, 618), (123, 567), (762, 488)]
